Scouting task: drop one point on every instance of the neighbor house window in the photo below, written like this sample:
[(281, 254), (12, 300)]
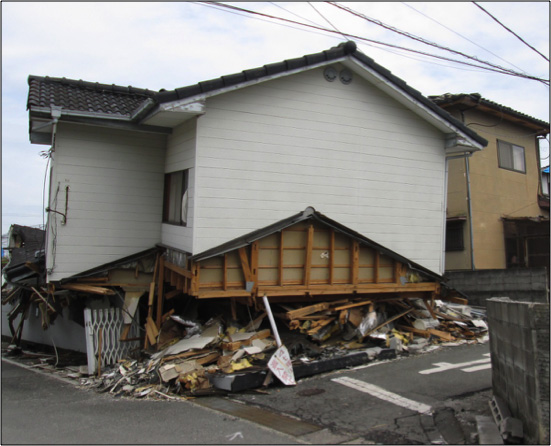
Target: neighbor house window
[(175, 204), (454, 235), (511, 156)]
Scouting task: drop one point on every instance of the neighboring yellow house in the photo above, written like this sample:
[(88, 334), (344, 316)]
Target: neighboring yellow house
[(496, 195)]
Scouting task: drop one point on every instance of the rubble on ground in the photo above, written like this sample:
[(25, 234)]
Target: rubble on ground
[(192, 359)]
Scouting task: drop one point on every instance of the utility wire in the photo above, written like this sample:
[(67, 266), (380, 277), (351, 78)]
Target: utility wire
[(327, 20), (291, 12), (512, 32), (462, 36), (420, 39), (501, 71)]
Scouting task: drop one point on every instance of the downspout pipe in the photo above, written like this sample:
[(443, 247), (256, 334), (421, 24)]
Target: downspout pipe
[(468, 179), (469, 204)]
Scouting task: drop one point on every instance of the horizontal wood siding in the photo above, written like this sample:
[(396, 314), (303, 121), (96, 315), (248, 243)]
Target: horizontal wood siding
[(180, 155), (115, 181), (355, 154)]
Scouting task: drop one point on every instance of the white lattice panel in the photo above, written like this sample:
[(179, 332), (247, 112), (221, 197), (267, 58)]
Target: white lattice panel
[(108, 321)]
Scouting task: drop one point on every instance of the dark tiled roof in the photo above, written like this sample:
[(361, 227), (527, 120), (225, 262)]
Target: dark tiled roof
[(114, 100), (257, 73), (85, 96), (449, 99)]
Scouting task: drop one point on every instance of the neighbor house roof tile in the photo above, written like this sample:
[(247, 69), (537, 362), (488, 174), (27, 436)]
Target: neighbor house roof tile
[(85, 96)]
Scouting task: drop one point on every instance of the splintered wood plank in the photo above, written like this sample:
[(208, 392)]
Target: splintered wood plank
[(441, 334), (178, 269), (151, 331), (304, 311), (88, 289), (357, 304), (245, 265), (320, 325), (417, 331), (430, 309), (388, 321), (160, 291)]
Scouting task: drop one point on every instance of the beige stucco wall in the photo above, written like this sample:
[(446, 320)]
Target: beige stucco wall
[(495, 192)]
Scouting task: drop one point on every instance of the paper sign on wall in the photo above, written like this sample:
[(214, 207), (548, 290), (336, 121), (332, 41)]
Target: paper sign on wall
[(281, 366)]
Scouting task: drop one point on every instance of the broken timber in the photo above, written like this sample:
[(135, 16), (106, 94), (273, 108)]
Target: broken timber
[(305, 256)]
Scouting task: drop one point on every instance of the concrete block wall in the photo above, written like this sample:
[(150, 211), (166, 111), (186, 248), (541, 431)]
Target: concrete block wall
[(519, 345), (519, 284)]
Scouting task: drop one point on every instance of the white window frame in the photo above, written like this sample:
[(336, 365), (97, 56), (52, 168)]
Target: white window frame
[(175, 199)]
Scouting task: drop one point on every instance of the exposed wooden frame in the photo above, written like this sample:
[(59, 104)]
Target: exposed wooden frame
[(308, 261), (355, 261)]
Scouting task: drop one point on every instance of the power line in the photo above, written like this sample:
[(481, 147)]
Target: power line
[(462, 36), (217, 6), (512, 32), (326, 19), (420, 39), (291, 12), (352, 36)]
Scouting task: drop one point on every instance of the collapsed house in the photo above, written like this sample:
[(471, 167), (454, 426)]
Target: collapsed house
[(156, 199)]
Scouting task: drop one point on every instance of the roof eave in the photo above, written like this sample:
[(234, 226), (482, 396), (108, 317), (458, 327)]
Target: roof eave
[(417, 103), (202, 96)]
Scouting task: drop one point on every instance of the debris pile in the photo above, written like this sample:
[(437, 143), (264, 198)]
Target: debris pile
[(193, 359)]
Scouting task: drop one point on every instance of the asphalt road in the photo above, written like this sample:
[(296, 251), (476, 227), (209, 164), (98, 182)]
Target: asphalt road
[(411, 395), (39, 409), (415, 400)]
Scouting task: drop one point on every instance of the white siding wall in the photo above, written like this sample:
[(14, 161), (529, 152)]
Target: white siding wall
[(180, 155), (270, 150), (115, 181)]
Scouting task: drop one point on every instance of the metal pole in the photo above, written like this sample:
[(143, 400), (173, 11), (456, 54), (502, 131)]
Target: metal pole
[(272, 321)]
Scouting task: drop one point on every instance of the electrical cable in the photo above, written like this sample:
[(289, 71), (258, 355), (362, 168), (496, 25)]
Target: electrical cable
[(291, 12), (420, 39), (501, 71), (327, 20), (219, 7), (462, 36), (512, 32)]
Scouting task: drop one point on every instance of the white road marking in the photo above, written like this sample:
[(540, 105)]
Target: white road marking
[(232, 437), (476, 368), (383, 394), (464, 366)]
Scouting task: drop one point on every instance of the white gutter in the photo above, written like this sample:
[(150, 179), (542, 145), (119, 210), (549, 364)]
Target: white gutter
[(82, 114)]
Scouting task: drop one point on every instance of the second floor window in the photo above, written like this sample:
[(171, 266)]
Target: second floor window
[(175, 198), (454, 235), (511, 156)]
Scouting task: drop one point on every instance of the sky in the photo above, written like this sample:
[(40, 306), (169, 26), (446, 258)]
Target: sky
[(170, 45)]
